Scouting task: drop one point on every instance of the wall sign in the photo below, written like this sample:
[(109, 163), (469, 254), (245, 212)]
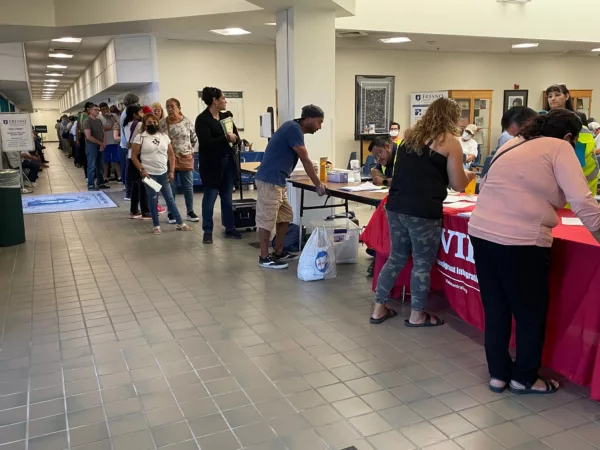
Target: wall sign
[(15, 131), (420, 101), (235, 104)]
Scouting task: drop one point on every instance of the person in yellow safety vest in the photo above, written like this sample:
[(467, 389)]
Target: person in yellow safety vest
[(395, 133), (558, 96), (384, 151)]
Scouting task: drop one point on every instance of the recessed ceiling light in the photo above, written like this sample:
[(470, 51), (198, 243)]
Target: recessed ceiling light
[(231, 31), (271, 24), (395, 40), (526, 45), (51, 81), (60, 55), (54, 74), (56, 66), (67, 39)]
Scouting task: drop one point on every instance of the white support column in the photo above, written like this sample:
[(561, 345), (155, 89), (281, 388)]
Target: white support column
[(306, 71), (306, 75)]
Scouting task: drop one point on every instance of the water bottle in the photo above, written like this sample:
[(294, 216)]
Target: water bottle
[(354, 164)]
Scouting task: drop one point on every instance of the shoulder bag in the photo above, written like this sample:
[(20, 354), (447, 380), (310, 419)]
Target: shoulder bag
[(183, 163)]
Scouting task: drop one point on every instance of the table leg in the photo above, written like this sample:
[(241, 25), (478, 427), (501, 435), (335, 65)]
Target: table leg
[(301, 214)]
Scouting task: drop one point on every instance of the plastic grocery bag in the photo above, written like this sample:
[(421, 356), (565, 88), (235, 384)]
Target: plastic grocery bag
[(317, 261)]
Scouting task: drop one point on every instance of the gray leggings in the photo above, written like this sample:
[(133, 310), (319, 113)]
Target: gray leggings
[(407, 233)]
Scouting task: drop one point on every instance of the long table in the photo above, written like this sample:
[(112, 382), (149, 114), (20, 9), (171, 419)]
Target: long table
[(572, 345)]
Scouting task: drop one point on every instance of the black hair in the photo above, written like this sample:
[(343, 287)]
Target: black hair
[(103, 104), (58, 121), (518, 115), (582, 117), (210, 93), (394, 123), (88, 105), (563, 89), (130, 112), (379, 141), (556, 124), (228, 114)]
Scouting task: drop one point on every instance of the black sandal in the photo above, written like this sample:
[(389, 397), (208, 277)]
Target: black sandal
[(528, 389), (388, 315), (426, 323)]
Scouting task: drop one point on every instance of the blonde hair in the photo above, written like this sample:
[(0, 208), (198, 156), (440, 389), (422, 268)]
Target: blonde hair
[(441, 118), (157, 105)]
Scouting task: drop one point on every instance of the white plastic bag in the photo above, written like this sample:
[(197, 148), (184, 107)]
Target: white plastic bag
[(317, 261)]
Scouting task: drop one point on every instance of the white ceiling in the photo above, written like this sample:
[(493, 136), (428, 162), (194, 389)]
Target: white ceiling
[(37, 52), (261, 34)]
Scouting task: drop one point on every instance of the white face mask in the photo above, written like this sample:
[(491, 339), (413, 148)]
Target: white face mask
[(466, 136), (394, 133)]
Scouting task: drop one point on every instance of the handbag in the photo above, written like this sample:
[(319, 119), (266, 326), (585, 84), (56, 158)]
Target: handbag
[(183, 163)]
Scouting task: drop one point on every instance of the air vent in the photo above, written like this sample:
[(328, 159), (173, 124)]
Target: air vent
[(350, 34)]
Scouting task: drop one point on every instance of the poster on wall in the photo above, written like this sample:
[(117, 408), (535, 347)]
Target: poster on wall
[(374, 104), (235, 104), (15, 132), (420, 101)]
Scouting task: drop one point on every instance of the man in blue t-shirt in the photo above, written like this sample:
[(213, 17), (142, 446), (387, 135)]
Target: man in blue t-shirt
[(273, 210)]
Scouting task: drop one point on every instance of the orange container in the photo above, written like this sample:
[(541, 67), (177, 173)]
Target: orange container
[(323, 169), (470, 189)]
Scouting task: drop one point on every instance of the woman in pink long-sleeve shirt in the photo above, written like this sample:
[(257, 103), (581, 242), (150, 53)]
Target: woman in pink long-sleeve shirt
[(531, 177)]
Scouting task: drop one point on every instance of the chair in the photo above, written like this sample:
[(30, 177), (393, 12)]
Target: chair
[(353, 155), (484, 171), (369, 164), (250, 157)]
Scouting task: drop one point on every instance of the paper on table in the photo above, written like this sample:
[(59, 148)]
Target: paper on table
[(153, 184), (458, 205), (465, 214), (461, 198), (571, 221), (368, 186), (452, 199)]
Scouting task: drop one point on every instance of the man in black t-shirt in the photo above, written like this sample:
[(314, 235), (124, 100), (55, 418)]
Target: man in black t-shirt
[(384, 151)]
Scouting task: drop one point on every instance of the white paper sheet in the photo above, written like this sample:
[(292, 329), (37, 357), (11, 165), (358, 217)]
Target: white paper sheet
[(153, 184), (465, 214), (452, 199), (461, 198), (365, 187), (458, 205), (572, 221)]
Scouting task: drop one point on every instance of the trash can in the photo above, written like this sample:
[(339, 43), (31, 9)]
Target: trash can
[(12, 226)]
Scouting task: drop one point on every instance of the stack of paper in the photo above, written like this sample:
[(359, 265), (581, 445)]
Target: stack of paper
[(365, 187), (458, 205)]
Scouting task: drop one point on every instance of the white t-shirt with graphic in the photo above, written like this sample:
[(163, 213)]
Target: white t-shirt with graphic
[(154, 151)]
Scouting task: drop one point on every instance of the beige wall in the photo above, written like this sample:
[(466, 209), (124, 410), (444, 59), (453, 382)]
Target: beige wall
[(48, 118), (185, 67), (429, 71)]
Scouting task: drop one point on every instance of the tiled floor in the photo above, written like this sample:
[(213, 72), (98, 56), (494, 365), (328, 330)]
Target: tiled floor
[(116, 339)]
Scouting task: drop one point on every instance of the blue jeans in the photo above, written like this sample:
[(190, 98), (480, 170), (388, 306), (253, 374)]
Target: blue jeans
[(94, 165), (168, 196), (226, 194), (123, 161), (34, 168), (187, 186)]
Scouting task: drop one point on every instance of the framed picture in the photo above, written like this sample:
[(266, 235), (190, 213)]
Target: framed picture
[(374, 104), (515, 98)]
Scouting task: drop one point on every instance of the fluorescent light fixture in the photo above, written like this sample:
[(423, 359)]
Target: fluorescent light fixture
[(395, 40), (53, 86), (56, 66), (60, 55), (67, 39), (526, 45), (54, 74), (230, 32), (271, 24), (51, 81), (596, 50)]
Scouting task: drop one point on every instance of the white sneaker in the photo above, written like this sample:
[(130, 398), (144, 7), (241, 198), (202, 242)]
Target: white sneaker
[(127, 199)]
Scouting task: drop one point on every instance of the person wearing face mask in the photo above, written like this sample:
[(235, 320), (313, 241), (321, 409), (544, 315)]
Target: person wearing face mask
[(512, 242), (594, 127), (559, 97), (395, 133), (469, 145), (152, 154)]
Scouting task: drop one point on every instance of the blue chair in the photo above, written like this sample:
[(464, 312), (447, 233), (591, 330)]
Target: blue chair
[(246, 157), (369, 164)]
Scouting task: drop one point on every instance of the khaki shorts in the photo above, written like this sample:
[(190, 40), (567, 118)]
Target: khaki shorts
[(272, 206)]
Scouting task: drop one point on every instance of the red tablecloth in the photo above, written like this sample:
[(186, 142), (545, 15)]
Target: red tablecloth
[(572, 335)]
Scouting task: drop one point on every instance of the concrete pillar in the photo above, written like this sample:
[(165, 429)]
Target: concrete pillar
[(306, 71)]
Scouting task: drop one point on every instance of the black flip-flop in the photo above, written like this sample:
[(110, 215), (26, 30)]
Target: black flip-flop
[(426, 323), (388, 315), (528, 389)]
